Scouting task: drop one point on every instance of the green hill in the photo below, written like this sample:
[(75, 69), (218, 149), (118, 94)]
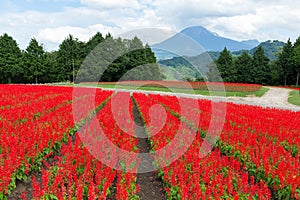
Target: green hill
[(271, 48), (183, 66), (178, 68)]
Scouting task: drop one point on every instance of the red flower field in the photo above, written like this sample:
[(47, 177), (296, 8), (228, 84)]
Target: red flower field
[(213, 86), (255, 156)]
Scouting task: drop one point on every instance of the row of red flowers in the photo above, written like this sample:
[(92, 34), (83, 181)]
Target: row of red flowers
[(34, 123), (212, 86), (191, 177), (79, 173), (264, 141)]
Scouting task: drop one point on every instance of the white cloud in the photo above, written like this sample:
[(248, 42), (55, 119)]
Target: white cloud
[(237, 19), (278, 21), (112, 4), (149, 35), (58, 34), (52, 27), (184, 10)]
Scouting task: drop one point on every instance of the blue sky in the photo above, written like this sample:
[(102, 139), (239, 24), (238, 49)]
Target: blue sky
[(50, 21), (37, 5)]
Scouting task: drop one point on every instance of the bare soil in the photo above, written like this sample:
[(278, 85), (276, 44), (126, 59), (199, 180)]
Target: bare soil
[(150, 186)]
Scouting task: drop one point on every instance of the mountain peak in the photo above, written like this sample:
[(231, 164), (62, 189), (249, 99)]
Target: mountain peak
[(195, 29), (198, 31), (206, 40)]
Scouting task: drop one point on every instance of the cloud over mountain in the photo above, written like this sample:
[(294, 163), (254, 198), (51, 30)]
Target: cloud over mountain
[(235, 19)]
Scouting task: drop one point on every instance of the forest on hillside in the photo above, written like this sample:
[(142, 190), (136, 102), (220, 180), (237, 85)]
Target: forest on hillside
[(284, 70), (35, 65), (255, 66)]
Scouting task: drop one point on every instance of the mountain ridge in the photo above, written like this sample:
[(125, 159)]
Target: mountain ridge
[(195, 40), (182, 63), (196, 32)]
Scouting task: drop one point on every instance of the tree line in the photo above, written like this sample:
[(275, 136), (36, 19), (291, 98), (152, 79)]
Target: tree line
[(284, 70), (35, 65)]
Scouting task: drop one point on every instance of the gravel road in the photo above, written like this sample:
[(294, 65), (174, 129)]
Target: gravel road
[(275, 97)]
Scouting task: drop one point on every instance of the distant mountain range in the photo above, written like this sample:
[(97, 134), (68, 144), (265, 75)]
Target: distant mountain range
[(197, 46), (184, 64), (213, 42), (271, 49), (195, 40)]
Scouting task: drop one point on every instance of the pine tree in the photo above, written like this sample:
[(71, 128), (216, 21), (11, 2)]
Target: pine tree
[(10, 62), (226, 66), (296, 59), (93, 42), (260, 67), (284, 62), (34, 61), (69, 58), (243, 66)]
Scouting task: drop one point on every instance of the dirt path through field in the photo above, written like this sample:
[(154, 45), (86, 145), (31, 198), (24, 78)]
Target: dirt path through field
[(275, 97), (150, 187)]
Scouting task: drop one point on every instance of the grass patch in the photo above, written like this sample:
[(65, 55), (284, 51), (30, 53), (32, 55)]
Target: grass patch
[(258, 93), (294, 98)]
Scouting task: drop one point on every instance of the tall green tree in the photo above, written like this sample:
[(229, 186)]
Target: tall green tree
[(213, 74), (243, 64), (69, 58), (260, 67), (149, 54), (51, 72), (10, 63), (116, 60), (284, 62), (141, 62), (93, 42), (276, 74), (226, 67), (296, 59), (136, 62), (34, 61)]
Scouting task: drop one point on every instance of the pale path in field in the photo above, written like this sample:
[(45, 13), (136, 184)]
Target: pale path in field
[(274, 98)]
